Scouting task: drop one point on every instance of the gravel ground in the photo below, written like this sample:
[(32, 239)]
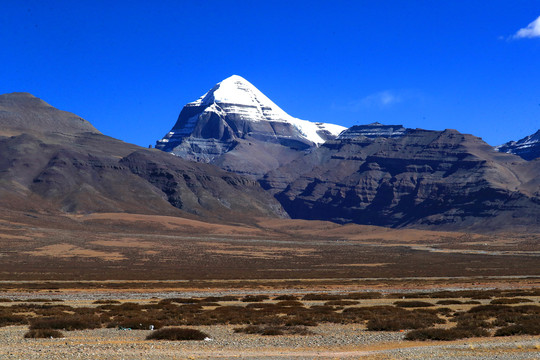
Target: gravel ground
[(330, 341)]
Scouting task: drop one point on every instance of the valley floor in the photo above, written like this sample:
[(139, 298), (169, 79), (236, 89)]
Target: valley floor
[(123, 246), (62, 264)]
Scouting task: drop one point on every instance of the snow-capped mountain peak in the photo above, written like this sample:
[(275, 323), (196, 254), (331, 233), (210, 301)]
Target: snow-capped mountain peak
[(237, 90), (238, 101), (528, 147)]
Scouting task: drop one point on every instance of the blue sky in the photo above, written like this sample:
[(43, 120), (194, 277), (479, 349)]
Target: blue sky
[(129, 66)]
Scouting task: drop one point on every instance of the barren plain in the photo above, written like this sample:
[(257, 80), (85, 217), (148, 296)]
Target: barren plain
[(316, 288)]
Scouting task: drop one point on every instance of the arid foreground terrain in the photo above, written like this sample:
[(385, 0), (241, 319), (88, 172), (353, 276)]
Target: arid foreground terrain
[(271, 289)]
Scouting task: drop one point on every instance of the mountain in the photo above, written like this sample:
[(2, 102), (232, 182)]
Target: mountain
[(25, 112), (423, 179), (528, 147), (374, 130), (53, 161), (238, 128)]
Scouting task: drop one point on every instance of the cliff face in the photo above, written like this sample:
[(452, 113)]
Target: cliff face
[(424, 179)]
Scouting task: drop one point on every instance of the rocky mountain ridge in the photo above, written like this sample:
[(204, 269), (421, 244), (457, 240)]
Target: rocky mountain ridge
[(65, 165), (424, 179), (21, 111), (528, 148), (373, 130)]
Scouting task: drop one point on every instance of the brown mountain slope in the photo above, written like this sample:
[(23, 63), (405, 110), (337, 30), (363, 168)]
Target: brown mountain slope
[(24, 111), (426, 179), (62, 166)]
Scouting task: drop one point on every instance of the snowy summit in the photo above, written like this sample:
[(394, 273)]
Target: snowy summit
[(238, 99)]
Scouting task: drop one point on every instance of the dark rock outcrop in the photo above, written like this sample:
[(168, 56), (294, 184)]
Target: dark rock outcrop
[(424, 179), (374, 130)]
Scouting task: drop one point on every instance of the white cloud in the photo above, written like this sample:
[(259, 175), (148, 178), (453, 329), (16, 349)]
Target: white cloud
[(385, 99), (531, 31), (379, 99)]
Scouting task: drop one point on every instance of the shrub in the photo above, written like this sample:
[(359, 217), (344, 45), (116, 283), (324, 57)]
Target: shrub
[(66, 323), (221, 298), (363, 295), (299, 322), (286, 297), (411, 304), (8, 319), (290, 303), (341, 302), (176, 333), (472, 323), (444, 311), (138, 323), (395, 323), (321, 297), (449, 302), (254, 298), (444, 334), (510, 301), (208, 303), (525, 327), (183, 300), (43, 333), (273, 330), (106, 302)]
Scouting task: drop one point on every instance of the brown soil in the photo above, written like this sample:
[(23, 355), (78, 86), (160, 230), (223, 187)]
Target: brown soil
[(144, 247)]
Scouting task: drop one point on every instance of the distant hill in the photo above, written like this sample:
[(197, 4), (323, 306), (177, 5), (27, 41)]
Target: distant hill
[(528, 148)]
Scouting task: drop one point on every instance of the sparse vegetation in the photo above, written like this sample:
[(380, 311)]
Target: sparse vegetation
[(105, 302), (177, 334), (254, 298), (444, 334), (287, 315), (286, 297), (66, 323), (524, 327), (507, 301), (412, 304), (273, 330), (43, 333)]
